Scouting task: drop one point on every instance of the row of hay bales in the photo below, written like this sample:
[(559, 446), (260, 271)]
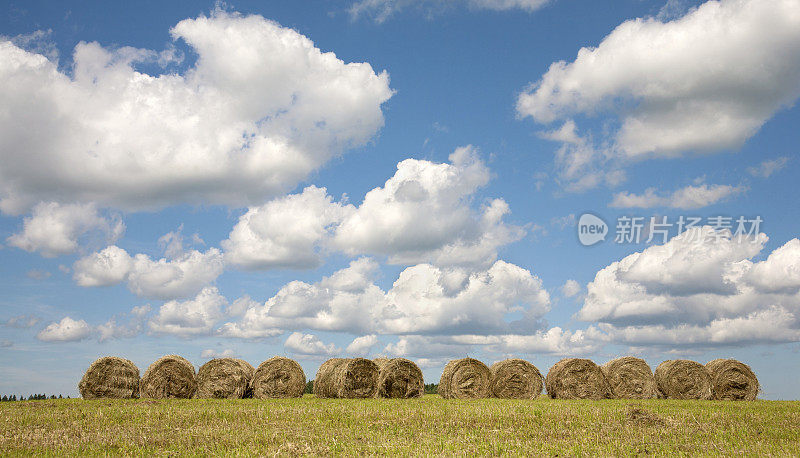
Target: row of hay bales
[(228, 378), (174, 377), (621, 378), (572, 378)]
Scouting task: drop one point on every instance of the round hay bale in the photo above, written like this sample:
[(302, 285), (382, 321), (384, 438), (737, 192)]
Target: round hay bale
[(630, 378), (278, 377), (465, 378), (576, 378), (170, 376), (732, 380), (683, 379), (515, 379), (399, 378), (347, 378), (110, 377), (224, 378)]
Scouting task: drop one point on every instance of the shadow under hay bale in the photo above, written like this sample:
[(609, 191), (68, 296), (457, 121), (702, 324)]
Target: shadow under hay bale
[(575, 378), (170, 376), (465, 378), (110, 377), (515, 379), (278, 377), (399, 378), (683, 379), (630, 378), (346, 378), (732, 380), (224, 378)]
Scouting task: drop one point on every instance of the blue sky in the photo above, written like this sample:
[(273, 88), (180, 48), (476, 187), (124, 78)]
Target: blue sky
[(163, 173)]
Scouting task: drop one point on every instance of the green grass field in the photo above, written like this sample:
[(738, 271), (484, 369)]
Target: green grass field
[(430, 425)]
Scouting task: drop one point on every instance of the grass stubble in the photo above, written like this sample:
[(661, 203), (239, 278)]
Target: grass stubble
[(423, 426)]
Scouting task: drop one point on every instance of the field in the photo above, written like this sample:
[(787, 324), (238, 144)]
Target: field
[(429, 425)]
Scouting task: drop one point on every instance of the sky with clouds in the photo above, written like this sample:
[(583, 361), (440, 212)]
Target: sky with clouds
[(398, 178)]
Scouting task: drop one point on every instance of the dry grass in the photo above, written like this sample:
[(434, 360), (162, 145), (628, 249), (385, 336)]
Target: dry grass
[(424, 426)]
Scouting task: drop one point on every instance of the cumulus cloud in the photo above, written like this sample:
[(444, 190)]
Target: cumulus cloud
[(380, 10), (571, 288), (424, 213), (423, 300), (361, 346), (308, 344), (285, 232), (644, 73), (687, 198), (210, 353), (191, 317), (701, 287), (260, 109), (53, 229), (66, 330), (165, 278)]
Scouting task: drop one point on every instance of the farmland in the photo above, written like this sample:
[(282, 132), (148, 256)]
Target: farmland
[(430, 425)]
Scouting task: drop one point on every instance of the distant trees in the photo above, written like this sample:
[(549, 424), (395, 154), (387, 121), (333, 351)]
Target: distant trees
[(431, 388), (309, 387), (32, 397)]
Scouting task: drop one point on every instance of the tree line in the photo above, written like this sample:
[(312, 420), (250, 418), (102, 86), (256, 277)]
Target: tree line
[(32, 397)]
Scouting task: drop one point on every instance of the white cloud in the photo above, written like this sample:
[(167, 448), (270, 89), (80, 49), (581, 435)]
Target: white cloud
[(37, 274), (67, 330), (209, 353), (260, 109), (107, 267), (699, 288), (767, 168), (687, 198), (780, 272), (308, 344), (22, 321), (174, 278), (380, 10), (38, 41), (360, 346), (165, 278), (645, 73), (424, 299), (132, 328), (54, 229), (571, 288), (423, 214), (192, 317), (285, 232)]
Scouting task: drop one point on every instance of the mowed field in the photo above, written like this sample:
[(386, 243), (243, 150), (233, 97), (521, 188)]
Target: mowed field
[(430, 425)]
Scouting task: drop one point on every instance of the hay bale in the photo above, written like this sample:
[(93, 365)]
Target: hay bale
[(224, 378), (465, 378), (169, 377), (347, 378), (110, 377), (732, 380), (683, 379), (515, 379), (576, 378), (399, 378), (278, 377), (630, 378)]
